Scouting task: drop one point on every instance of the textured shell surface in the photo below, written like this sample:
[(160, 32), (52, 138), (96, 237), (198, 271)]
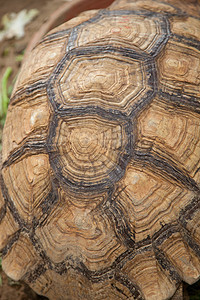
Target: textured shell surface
[(100, 173)]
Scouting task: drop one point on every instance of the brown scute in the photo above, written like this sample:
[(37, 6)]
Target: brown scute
[(189, 27), (27, 122), (166, 130), (100, 176), (21, 258), (33, 185), (179, 69), (9, 229), (90, 151)]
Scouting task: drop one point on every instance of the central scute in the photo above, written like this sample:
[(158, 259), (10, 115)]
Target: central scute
[(112, 82), (105, 81), (90, 151), (85, 139)]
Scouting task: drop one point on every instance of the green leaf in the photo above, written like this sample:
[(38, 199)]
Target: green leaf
[(4, 94)]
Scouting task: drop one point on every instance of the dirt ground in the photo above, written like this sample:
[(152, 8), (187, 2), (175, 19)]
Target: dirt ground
[(9, 50)]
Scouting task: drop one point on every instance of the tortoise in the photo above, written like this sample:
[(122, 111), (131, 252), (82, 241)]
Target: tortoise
[(101, 156)]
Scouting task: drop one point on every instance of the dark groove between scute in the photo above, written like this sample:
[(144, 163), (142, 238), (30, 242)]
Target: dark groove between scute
[(10, 204), (30, 147), (167, 167), (188, 41), (3, 211), (190, 241), (37, 86), (178, 99), (166, 265), (133, 288), (39, 270), (14, 238), (54, 36), (188, 212)]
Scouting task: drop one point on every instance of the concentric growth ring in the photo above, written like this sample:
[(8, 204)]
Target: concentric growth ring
[(87, 152), (112, 79), (95, 90)]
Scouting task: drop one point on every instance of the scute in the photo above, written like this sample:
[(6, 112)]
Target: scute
[(193, 222), (167, 130), (34, 70), (149, 275), (81, 234), (123, 29), (30, 188), (21, 258), (179, 69), (78, 286), (90, 152), (189, 27), (183, 259), (27, 122), (149, 5), (100, 182), (87, 81), (11, 226), (147, 201)]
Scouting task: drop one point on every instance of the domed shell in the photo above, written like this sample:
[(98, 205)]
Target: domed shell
[(101, 156)]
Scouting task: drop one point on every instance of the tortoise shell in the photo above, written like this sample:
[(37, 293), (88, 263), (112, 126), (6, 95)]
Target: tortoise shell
[(101, 156)]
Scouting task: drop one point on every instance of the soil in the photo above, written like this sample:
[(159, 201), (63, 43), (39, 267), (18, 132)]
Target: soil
[(9, 50)]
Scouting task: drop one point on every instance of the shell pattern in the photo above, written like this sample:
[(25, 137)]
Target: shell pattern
[(101, 156)]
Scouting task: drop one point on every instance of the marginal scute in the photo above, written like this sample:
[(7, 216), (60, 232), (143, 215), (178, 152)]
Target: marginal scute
[(20, 258), (181, 257), (43, 284), (83, 17), (190, 7), (152, 281), (78, 286), (8, 227), (31, 187), (2, 201), (79, 233), (187, 7), (28, 119), (75, 285), (35, 68), (193, 223), (116, 289)]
